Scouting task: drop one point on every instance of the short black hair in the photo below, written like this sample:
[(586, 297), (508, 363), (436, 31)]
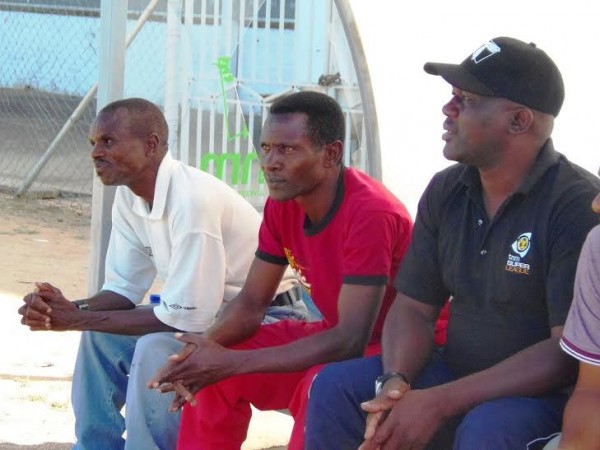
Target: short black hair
[(325, 119), (145, 116)]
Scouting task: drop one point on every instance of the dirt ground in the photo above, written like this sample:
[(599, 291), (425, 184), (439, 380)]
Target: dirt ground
[(48, 240)]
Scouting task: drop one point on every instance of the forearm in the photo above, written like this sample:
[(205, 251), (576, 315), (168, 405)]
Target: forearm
[(109, 301), (238, 321), (581, 428), (407, 341), (48, 309), (534, 371), (357, 311), (324, 347), (242, 316), (134, 322)]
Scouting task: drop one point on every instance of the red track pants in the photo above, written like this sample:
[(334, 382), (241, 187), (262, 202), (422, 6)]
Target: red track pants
[(221, 418)]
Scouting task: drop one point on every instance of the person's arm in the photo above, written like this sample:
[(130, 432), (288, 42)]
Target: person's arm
[(357, 310), (48, 309), (581, 340), (536, 370), (242, 316), (408, 338), (581, 428)]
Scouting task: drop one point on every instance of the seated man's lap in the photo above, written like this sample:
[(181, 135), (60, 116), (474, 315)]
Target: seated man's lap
[(340, 388), (510, 422), (334, 418), (267, 391)]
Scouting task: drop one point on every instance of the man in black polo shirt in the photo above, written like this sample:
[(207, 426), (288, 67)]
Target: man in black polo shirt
[(499, 232)]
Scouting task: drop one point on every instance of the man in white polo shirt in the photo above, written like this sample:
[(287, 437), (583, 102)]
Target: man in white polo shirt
[(169, 219)]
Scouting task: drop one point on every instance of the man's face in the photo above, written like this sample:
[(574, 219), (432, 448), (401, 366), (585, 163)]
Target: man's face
[(292, 164), (473, 127), (119, 156)]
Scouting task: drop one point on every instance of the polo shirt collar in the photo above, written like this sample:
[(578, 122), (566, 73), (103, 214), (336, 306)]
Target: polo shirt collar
[(161, 189), (547, 158)]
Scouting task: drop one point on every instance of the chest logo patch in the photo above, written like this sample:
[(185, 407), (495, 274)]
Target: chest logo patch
[(298, 269), (520, 247)]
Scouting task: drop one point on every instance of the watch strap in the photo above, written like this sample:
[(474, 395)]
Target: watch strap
[(81, 304), (382, 379)]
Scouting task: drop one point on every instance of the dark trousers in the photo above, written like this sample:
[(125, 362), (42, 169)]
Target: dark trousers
[(335, 419)]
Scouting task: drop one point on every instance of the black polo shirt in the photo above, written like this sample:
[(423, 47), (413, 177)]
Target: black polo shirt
[(510, 278)]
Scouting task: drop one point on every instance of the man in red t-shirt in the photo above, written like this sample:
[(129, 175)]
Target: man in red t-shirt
[(343, 234)]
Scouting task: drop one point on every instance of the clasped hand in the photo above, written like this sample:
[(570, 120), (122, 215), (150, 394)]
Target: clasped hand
[(199, 363), (400, 418), (46, 308)]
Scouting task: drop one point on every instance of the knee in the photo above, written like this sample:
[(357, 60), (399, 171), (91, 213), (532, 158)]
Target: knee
[(349, 382), (104, 353), (105, 345), (326, 386), (145, 343), (334, 417), (93, 339), (153, 349)]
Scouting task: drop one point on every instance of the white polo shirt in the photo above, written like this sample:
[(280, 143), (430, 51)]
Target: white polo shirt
[(200, 238)]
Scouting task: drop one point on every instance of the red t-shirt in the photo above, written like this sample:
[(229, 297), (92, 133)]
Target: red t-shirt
[(361, 241)]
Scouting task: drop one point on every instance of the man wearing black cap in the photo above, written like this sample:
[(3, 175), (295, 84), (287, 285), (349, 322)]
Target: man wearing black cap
[(500, 232)]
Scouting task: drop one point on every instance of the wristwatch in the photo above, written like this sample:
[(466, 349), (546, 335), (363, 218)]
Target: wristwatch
[(81, 304), (382, 379)]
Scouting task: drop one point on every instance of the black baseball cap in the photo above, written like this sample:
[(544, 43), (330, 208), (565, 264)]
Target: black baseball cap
[(509, 68)]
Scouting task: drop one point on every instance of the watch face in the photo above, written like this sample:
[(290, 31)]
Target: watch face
[(382, 379)]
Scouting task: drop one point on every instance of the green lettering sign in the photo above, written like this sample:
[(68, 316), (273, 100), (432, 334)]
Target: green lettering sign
[(236, 165)]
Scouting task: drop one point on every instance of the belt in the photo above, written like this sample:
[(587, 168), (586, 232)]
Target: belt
[(287, 298)]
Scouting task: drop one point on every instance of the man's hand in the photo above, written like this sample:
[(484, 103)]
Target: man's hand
[(411, 423), (41, 306), (183, 394), (379, 407), (201, 362)]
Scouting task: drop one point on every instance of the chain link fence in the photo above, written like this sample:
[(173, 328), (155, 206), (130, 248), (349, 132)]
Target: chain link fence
[(214, 69), (43, 75), (48, 63)]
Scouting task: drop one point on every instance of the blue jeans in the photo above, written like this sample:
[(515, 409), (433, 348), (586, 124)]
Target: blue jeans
[(112, 370), (298, 311), (335, 419)]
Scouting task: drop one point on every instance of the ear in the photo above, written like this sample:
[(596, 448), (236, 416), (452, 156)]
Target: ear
[(520, 120), (152, 144), (333, 154)]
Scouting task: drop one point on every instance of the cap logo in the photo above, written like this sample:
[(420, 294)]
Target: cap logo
[(490, 48)]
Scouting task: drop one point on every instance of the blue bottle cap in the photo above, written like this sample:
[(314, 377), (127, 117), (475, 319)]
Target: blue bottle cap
[(155, 299)]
